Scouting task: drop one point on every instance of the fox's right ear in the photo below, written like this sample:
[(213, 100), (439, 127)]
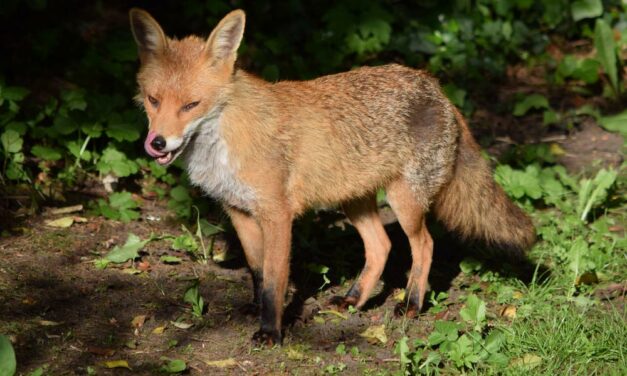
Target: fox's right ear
[(148, 34)]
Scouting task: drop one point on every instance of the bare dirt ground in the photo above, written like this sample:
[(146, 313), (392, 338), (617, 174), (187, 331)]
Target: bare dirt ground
[(71, 318)]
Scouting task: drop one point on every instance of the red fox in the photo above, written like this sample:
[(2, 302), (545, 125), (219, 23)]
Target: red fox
[(270, 151)]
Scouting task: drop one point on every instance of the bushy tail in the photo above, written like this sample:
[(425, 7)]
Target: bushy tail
[(476, 207)]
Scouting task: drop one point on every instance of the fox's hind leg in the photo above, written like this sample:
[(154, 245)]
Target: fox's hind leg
[(411, 216), (364, 215)]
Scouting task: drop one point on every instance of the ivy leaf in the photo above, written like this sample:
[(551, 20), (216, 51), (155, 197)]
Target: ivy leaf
[(129, 251)]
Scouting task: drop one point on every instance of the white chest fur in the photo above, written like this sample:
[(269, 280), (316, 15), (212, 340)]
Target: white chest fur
[(209, 166)]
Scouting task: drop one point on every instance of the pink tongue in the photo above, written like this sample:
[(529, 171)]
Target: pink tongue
[(149, 149)]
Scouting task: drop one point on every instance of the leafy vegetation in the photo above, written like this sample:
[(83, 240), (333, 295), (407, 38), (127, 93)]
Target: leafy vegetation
[(68, 124)]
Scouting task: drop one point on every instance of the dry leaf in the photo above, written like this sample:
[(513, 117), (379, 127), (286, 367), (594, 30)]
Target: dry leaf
[(67, 210), (159, 330), (64, 222), (375, 334), (181, 325), (116, 364), (334, 312), (80, 219), (400, 295), (294, 354), (587, 278), (527, 361), (509, 311), (224, 363), (49, 323), (138, 321)]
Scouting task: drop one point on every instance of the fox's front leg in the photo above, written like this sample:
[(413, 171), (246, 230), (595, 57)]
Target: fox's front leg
[(277, 235), (251, 238)]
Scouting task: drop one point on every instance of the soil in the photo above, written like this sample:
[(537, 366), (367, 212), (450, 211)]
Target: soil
[(64, 314)]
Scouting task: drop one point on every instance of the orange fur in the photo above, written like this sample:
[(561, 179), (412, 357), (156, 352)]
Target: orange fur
[(269, 152)]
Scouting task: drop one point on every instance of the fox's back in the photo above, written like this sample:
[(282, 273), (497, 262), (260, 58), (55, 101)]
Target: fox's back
[(353, 132)]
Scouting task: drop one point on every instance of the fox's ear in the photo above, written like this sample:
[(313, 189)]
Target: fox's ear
[(147, 33), (225, 38)]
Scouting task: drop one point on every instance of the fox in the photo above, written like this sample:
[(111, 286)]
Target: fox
[(268, 152)]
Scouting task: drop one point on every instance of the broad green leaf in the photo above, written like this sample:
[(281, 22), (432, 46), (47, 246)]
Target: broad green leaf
[(616, 123), (174, 365), (8, 363), (14, 93), (469, 265), (474, 311), (129, 251), (46, 153), (606, 50), (11, 141), (74, 100), (122, 200), (582, 9), (115, 161), (533, 101), (179, 193), (185, 242)]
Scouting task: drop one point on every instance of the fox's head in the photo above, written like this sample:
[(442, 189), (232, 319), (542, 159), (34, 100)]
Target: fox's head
[(183, 82)]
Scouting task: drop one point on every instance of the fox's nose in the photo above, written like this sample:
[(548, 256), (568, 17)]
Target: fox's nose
[(158, 143)]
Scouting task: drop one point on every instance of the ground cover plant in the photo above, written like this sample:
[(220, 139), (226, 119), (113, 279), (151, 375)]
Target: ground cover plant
[(110, 263)]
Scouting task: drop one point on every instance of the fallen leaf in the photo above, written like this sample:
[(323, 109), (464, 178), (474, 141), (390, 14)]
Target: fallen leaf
[(28, 301), (400, 295), (129, 251), (587, 278), (334, 312), (294, 354), (527, 361), (556, 149), (131, 344), (131, 271), (443, 315), (509, 311), (173, 365), (80, 219), (64, 222), (159, 330), (49, 323), (116, 364), (103, 351), (143, 266), (319, 320), (517, 295), (66, 209), (138, 321), (181, 325), (224, 363), (375, 334)]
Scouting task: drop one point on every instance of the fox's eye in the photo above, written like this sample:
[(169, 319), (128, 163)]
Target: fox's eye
[(153, 101), (189, 106)]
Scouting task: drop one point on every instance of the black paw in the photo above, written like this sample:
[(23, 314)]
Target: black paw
[(267, 338)]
